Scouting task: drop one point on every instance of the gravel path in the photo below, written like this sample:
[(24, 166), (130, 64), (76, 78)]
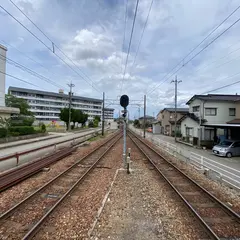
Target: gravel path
[(18, 192), (142, 206), (75, 216)]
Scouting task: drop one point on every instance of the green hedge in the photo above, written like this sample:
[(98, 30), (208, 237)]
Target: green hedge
[(21, 130), (3, 132)]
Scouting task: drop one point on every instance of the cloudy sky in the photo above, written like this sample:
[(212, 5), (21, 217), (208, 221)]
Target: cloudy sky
[(90, 33)]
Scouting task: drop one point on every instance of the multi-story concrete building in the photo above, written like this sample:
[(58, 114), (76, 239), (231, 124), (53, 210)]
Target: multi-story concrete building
[(5, 112), (46, 106), (108, 114)]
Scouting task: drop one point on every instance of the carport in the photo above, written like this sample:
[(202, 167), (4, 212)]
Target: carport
[(231, 131)]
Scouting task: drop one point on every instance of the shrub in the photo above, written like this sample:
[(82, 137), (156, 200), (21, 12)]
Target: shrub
[(22, 130), (3, 132), (43, 128), (91, 124)]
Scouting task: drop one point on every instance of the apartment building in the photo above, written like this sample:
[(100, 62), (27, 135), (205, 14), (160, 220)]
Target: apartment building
[(108, 114), (209, 115), (167, 118), (46, 106)]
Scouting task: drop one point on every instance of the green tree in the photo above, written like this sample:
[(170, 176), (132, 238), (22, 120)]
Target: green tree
[(97, 118), (64, 115), (83, 119), (5, 123), (136, 123), (12, 101)]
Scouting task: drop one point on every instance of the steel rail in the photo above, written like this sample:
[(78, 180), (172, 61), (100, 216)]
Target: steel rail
[(15, 207), (18, 174), (224, 207), (37, 226)]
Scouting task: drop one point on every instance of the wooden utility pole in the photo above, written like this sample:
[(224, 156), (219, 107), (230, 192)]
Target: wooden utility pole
[(175, 117), (71, 85)]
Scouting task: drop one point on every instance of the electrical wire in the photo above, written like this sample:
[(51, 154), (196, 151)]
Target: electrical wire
[(51, 49), (9, 75), (22, 67), (129, 46), (184, 64), (28, 57), (124, 33), (145, 24), (198, 52), (49, 38), (227, 85)]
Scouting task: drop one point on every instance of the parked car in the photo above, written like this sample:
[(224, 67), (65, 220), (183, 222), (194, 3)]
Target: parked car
[(227, 148), (149, 129)]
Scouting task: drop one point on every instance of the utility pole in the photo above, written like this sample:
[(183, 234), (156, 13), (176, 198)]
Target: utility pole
[(138, 112), (103, 113), (71, 85), (144, 118), (176, 84)]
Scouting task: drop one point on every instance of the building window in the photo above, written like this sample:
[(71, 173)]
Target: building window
[(210, 111), (196, 108), (189, 131), (232, 111)]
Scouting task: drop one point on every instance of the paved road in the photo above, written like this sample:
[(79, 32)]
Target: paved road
[(10, 163), (226, 166)]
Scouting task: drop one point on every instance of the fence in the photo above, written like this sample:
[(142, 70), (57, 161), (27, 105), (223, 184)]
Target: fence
[(18, 158), (214, 169)]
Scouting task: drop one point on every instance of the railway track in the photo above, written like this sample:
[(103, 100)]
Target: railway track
[(18, 174), (24, 219), (218, 220)]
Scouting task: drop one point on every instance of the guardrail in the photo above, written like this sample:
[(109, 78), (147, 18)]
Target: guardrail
[(224, 173), (54, 145), (213, 169)]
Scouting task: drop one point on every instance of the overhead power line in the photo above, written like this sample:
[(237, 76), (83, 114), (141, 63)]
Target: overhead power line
[(184, 64), (145, 24), (19, 79), (124, 32), (28, 57), (54, 45), (130, 41), (26, 69), (228, 85)]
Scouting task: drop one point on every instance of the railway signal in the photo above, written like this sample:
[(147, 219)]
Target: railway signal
[(124, 101)]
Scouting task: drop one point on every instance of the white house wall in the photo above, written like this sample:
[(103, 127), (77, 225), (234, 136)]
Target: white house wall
[(188, 122), (222, 111)]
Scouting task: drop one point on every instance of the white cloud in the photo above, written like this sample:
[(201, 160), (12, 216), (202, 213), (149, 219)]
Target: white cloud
[(91, 34)]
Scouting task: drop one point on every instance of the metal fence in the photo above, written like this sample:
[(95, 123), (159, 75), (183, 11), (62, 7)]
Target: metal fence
[(213, 169)]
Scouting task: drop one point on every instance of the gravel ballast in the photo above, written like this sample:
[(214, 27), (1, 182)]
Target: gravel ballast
[(142, 206), (75, 216), (15, 194)]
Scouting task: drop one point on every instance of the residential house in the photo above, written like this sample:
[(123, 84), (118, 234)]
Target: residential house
[(149, 120), (167, 119), (208, 116)]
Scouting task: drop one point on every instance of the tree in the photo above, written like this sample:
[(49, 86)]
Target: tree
[(5, 123), (136, 123), (97, 118), (64, 115), (83, 119), (12, 101)]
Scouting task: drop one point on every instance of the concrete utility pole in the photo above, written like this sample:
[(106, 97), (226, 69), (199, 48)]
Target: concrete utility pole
[(103, 113), (176, 83), (144, 118), (71, 85)]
